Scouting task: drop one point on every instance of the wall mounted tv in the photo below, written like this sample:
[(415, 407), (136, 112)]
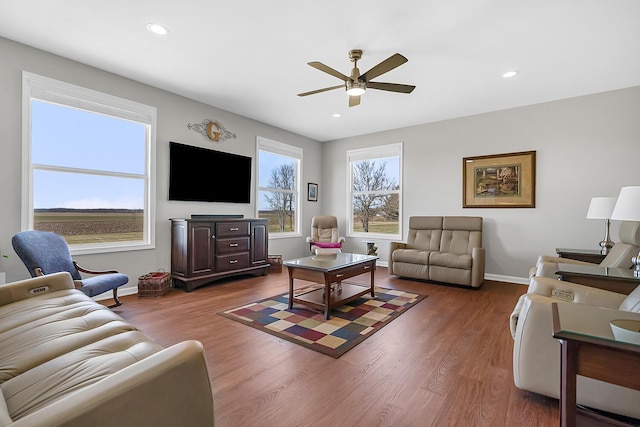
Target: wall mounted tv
[(203, 175)]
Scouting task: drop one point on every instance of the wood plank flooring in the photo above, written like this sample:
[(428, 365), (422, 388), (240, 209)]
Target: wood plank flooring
[(444, 362)]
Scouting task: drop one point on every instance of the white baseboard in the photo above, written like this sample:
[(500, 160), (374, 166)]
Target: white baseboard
[(131, 290), (510, 279), (127, 290)]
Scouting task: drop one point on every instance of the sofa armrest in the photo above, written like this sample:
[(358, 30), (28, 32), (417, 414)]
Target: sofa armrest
[(29, 288), (169, 388), (477, 266), (573, 292), (392, 247), (396, 245)]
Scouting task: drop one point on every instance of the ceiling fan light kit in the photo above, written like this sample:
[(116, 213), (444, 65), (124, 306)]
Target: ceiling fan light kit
[(356, 88), (357, 84)]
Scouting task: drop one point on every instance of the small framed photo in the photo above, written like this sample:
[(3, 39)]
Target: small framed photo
[(312, 194), (499, 181)]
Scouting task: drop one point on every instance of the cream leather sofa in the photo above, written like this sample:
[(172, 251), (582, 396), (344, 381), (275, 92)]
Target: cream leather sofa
[(444, 249), (66, 360), (536, 354)]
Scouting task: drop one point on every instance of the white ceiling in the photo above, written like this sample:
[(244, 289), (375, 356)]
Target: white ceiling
[(250, 57)]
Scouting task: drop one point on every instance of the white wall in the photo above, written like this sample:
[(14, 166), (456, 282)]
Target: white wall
[(585, 147), (173, 114)]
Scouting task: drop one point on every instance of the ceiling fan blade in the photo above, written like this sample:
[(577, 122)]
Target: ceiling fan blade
[(321, 90), (391, 87), (354, 100), (388, 64), (320, 66)]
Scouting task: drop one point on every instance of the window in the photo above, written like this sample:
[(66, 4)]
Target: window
[(374, 192), (279, 187), (87, 171)]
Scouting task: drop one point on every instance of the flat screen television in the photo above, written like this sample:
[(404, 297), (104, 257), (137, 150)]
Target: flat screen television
[(203, 175)]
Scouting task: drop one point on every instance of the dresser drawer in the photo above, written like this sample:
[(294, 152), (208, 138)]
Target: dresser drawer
[(232, 245), (229, 229), (232, 262)]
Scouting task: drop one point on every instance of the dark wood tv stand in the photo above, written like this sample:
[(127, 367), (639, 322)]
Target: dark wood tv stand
[(207, 249)]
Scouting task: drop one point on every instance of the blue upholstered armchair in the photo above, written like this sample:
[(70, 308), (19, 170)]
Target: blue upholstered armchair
[(44, 252)]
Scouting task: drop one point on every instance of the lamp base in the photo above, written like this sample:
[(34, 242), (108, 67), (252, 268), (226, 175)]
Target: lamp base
[(605, 246)]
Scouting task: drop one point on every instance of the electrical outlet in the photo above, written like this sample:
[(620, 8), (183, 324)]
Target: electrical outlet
[(563, 295)]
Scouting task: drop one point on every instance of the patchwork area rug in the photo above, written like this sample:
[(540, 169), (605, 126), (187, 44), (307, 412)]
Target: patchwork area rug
[(349, 324)]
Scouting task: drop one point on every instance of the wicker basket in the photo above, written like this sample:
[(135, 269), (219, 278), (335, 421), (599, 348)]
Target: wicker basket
[(154, 284), (276, 263)]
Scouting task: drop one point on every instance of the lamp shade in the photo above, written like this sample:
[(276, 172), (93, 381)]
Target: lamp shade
[(601, 207), (628, 205)]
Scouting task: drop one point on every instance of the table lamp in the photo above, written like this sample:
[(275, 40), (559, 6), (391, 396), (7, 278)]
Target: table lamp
[(601, 208), (628, 209)]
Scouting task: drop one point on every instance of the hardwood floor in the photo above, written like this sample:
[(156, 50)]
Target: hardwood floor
[(444, 362)]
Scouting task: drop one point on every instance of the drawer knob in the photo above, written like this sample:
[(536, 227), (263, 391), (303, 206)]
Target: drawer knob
[(234, 229), (339, 275), (233, 261), (233, 245)]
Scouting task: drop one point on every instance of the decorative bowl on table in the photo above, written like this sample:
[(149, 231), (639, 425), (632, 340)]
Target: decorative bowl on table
[(626, 330)]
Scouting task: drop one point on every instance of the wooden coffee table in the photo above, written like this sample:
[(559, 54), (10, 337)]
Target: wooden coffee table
[(328, 270)]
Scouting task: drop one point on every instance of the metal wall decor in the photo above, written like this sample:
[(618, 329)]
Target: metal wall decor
[(212, 129)]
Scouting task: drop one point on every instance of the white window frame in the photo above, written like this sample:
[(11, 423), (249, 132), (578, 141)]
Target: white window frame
[(373, 153), (50, 90), (265, 144)]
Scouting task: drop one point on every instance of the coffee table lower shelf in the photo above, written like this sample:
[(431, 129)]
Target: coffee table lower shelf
[(315, 298)]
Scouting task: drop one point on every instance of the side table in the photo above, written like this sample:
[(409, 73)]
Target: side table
[(587, 255), (588, 348), (620, 280)]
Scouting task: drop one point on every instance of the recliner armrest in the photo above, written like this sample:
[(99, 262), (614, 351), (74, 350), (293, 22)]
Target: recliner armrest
[(29, 288), (547, 265), (573, 292), (560, 260)]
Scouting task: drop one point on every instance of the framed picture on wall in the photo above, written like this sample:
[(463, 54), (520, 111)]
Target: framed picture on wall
[(499, 181), (312, 193)]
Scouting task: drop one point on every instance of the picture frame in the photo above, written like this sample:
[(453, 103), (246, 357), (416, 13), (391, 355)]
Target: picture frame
[(312, 192), (499, 180)]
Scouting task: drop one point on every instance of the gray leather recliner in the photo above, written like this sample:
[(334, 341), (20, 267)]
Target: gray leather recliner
[(619, 256), (536, 353)]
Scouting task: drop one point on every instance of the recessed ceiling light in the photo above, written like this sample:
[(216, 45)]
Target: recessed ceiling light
[(157, 29), (510, 74), (336, 115)]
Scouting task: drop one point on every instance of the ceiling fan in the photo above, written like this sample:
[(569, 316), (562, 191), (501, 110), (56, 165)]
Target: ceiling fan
[(357, 84)]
